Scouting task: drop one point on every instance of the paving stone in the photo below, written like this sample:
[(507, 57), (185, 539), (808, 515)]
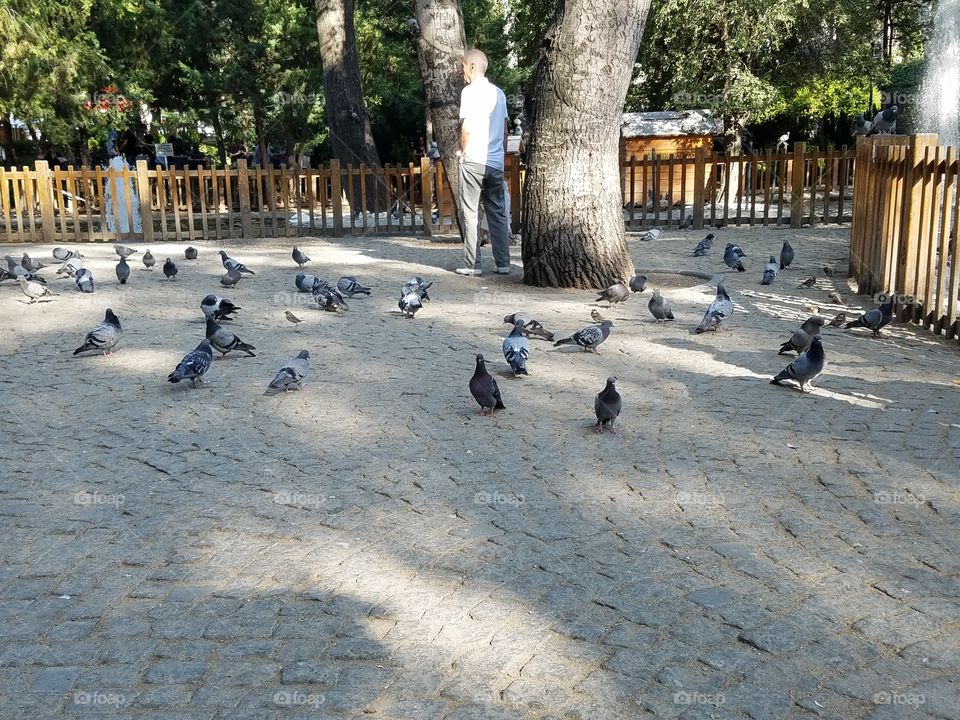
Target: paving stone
[(55, 680)]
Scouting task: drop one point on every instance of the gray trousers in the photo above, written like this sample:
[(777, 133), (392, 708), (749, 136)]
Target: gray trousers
[(482, 181)]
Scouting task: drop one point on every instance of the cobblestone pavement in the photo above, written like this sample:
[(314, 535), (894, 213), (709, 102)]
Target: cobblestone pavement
[(370, 548)]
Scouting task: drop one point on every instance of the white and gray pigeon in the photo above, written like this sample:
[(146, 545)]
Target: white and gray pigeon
[(703, 247), (732, 258), (607, 405), (349, 286), (124, 251), (230, 264), (218, 308), (531, 326), (589, 337), (328, 298), (63, 254), (224, 341), (410, 303), (230, 278), (70, 267), (299, 257), (193, 365), (123, 271), (616, 293), (806, 367), (417, 284), (515, 350), (800, 340), (885, 121), (291, 375), (720, 309), (305, 282), (84, 280), (104, 336), (170, 269), (660, 308), (148, 260), (33, 290), (786, 255), (30, 264), (875, 319), (650, 234), (483, 387), (769, 271)]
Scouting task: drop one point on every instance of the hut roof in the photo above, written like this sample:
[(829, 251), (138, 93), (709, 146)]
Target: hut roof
[(670, 123)]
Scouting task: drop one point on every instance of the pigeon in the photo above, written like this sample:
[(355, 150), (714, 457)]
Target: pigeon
[(828, 271), (786, 255), (225, 341), (62, 254), (416, 284), (193, 365), (835, 297), (230, 264), (650, 234), (531, 326), (170, 269), (30, 264), (15, 270), (84, 280), (291, 317), (515, 350), (885, 121), (123, 271), (218, 308), (861, 126), (606, 406), (124, 251), (299, 258), (839, 320), (230, 278), (800, 340), (720, 309), (808, 282), (291, 375), (732, 258), (595, 316), (589, 337), (703, 246), (70, 267), (484, 389), (413, 26), (328, 298), (687, 223), (638, 283), (190, 253), (349, 286), (874, 319), (4, 275), (769, 271), (616, 293), (660, 308), (148, 260), (806, 367), (33, 290), (305, 283), (104, 336), (410, 303)]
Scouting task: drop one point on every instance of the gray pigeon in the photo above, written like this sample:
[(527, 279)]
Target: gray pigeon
[(329, 299), (70, 267), (123, 271), (800, 340), (515, 350), (769, 271), (170, 269), (15, 270), (703, 246), (84, 280), (416, 284), (193, 365), (531, 326), (806, 367), (484, 389), (349, 286), (218, 308), (224, 341), (638, 283), (731, 257), (660, 308), (885, 121), (650, 234), (291, 375), (123, 251), (299, 258), (861, 126), (305, 283), (720, 309), (230, 264), (33, 290), (589, 337), (875, 319), (786, 255), (104, 336), (687, 223), (190, 253), (616, 293), (607, 405), (62, 254), (30, 264), (148, 260), (410, 303), (230, 278)]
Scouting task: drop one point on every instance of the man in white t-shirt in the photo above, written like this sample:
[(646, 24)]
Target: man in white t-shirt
[(483, 143)]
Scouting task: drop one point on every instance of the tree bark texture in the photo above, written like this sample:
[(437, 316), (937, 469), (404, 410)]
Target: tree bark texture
[(573, 229), (440, 48), (350, 133)]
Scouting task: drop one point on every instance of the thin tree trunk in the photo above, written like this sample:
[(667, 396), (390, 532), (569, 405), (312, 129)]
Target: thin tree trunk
[(440, 48), (10, 146), (573, 229), (218, 132), (350, 132)]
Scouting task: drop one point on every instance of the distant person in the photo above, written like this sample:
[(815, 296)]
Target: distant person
[(483, 143), (238, 153)]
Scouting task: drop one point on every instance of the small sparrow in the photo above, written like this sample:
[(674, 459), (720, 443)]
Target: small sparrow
[(292, 318), (839, 320), (597, 317), (835, 298), (813, 309), (808, 282)]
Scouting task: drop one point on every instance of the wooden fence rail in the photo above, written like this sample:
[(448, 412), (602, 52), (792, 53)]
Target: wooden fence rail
[(78, 204), (906, 214)]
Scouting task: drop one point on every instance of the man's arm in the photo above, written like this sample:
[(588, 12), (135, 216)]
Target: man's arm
[(506, 133), (464, 136)]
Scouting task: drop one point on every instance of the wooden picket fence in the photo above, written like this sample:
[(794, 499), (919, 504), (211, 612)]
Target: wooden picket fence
[(906, 215), (697, 190)]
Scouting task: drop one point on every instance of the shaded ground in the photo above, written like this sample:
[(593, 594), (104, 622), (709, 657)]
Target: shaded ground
[(369, 547)]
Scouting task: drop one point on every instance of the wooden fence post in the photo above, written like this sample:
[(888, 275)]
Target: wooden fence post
[(426, 194), (914, 244), (336, 197), (45, 197), (796, 185), (146, 201), (243, 192), (699, 181)]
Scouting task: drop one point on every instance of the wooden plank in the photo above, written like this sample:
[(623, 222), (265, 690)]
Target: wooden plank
[(657, 190), (426, 194), (647, 190), (944, 313), (767, 192), (215, 201), (953, 170), (323, 199), (829, 159), (175, 201), (202, 174), (228, 185), (59, 205), (699, 182), (738, 161), (336, 195), (5, 200), (44, 192), (796, 185), (90, 194), (243, 198), (258, 176), (311, 180)]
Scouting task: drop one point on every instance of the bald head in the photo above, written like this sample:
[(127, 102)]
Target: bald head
[(474, 65)]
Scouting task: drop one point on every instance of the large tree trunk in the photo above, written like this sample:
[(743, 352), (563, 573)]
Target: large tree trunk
[(350, 133), (440, 48), (573, 229)]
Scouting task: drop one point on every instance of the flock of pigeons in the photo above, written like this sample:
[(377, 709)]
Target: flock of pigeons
[(806, 341)]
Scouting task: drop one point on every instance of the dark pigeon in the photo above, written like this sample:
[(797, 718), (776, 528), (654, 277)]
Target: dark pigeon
[(515, 350), (291, 375), (786, 255), (84, 280), (230, 264), (30, 264), (170, 269), (299, 258), (616, 293), (230, 278), (732, 258), (885, 121), (769, 272), (607, 405), (218, 308), (800, 340), (224, 341), (104, 336), (193, 365), (806, 367), (589, 337), (190, 253), (123, 271), (531, 326), (719, 310), (349, 286), (638, 283), (875, 319), (660, 308), (703, 247), (484, 389)]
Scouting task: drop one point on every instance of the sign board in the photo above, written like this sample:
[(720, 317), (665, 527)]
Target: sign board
[(513, 144), (164, 149)]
